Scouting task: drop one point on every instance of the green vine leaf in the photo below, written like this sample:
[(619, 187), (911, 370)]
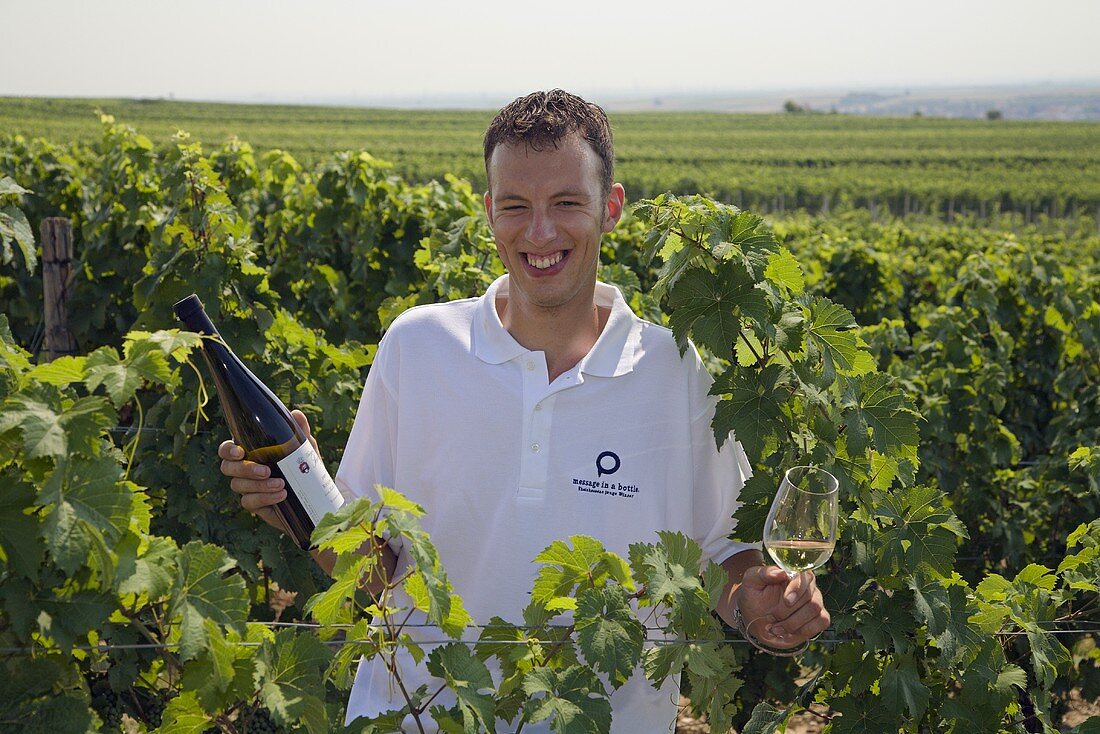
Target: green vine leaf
[(206, 589), (469, 680), (290, 676), (711, 306), (573, 699), (608, 632)]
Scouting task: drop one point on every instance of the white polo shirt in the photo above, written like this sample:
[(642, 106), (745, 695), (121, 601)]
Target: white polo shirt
[(460, 417)]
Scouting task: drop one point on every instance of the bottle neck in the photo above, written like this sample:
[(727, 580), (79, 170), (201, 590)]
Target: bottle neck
[(199, 322)]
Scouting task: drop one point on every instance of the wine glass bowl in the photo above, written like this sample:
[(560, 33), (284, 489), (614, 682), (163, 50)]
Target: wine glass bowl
[(800, 531)]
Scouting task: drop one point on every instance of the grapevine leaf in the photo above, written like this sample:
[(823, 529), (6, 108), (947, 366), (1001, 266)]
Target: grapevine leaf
[(978, 707), (205, 588), (20, 545), (41, 426), (987, 664), (457, 618), (176, 343), (210, 674), (331, 605), (681, 550), (91, 509), (710, 307), (15, 227), (184, 715), (753, 412), (765, 719), (394, 500), (715, 579), (469, 680), (659, 661), (831, 330), (61, 713), (677, 258), (1012, 675), (784, 269), (901, 687), (148, 359), (608, 632), (585, 553), (922, 533), (8, 187), (565, 697), (292, 682), (144, 361), (668, 582), (863, 715), (785, 329), (887, 411), (62, 371), (149, 574), (887, 624), (68, 620), (946, 612), (717, 687), (105, 368), (1048, 655), (1036, 575)]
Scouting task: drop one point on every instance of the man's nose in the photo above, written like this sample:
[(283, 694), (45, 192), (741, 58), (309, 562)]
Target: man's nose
[(541, 229)]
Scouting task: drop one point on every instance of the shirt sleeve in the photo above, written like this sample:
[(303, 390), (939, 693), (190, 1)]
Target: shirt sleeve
[(719, 476)]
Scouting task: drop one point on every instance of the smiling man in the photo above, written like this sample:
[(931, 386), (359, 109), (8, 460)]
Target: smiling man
[(545, 408)]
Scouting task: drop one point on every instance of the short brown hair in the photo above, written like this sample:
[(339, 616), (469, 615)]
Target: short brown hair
[(541, 119)]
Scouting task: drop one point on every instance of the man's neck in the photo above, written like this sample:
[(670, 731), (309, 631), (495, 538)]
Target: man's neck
[(565, 334)]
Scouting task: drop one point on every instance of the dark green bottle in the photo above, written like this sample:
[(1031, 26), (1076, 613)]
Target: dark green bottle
[(264, 428)]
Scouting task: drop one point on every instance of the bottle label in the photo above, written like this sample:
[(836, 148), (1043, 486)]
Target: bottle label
[(311, 482)]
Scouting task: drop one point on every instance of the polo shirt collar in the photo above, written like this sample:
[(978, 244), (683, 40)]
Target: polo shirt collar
[(612, 355)]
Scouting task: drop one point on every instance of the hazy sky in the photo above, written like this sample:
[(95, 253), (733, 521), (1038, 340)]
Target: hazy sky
[(282, 50)]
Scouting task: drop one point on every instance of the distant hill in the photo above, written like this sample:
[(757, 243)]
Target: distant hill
[(1031, 102)]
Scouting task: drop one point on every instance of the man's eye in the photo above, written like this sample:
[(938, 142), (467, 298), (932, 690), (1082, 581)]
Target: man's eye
[(570, 203)]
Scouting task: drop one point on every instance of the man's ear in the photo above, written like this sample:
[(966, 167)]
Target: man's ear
[(488, 200), (616, 200)]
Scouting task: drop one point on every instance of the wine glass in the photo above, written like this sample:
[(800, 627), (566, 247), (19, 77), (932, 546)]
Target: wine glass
[(800, 531)]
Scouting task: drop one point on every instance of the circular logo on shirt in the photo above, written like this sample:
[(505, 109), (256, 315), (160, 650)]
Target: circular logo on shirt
[(607, 463)]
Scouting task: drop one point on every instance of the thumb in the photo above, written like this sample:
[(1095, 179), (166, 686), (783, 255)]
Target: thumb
[(303, 423)]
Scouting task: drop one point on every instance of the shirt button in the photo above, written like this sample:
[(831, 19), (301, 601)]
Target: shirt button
[(530, 365), (534, 448), (538, 406)]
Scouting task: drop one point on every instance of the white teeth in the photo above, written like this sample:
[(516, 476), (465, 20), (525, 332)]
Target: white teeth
[(544, 262)]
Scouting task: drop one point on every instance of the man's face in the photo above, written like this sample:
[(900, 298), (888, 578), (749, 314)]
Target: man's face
[(548, 214)]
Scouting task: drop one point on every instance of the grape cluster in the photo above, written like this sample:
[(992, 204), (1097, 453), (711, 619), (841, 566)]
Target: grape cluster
[(107, 703), (138, 703), (260, 722)]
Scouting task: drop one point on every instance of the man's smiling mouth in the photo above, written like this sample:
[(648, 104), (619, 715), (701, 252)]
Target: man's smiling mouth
[(542, 262)]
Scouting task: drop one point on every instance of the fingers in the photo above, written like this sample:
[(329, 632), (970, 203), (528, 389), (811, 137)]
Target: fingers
[(799, 589), (782, 611), (255, 496), (251, 480), (759, 578), (230, 450), (809, 621), (303, 423), (806, 616)]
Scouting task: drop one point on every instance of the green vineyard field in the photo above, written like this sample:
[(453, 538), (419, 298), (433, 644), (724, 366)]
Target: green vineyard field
[(767, 163)]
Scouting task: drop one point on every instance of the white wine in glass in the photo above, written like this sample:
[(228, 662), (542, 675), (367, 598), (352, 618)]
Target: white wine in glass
[(800, 531)]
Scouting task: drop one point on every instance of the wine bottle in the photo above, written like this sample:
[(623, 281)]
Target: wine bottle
[(264, 428)]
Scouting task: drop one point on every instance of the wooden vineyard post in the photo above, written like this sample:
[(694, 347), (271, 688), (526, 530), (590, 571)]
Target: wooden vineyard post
[(57, 255)]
